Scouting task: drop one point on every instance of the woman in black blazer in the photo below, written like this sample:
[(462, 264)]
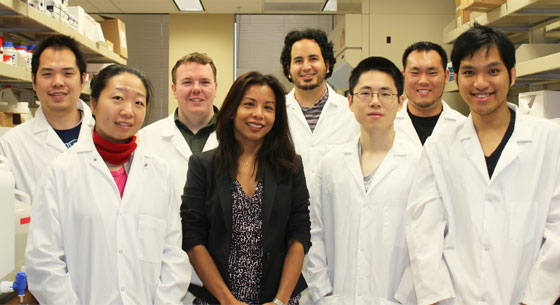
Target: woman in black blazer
[(245, 214)]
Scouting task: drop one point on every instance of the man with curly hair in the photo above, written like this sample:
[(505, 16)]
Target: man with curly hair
[(319, 117)]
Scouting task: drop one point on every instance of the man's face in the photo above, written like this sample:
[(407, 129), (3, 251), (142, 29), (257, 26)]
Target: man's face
[(378, 112), (424, 80), (194, 90), (308, 69), (58, 82), (483, 81)]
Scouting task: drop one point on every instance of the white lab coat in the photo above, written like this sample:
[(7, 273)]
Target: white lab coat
[(359, 252), (88, 246), (336, 126), (33, 145), (164, 140), (449, 118), (481, 240)]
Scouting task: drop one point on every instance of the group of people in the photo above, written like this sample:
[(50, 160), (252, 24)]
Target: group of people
[(307, 197)]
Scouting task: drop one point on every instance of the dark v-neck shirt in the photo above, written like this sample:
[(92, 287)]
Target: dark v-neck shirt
[(424, 125), (492, 160)]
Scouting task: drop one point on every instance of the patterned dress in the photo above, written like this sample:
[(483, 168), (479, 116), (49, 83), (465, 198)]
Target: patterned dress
[(245, 263)]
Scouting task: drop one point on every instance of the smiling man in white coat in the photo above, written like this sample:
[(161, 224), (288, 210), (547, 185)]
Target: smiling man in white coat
[(359, 197), (58, 73), (483, 219), (319, 117), (190, 129), (424, 112)]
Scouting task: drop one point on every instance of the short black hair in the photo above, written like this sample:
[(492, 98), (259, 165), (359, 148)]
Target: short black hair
[(317, 35), (58, 42), (99, 82), (381, 64), (425, 46), (481, 37)]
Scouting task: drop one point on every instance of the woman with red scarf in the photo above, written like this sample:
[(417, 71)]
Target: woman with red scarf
[(105, 225)]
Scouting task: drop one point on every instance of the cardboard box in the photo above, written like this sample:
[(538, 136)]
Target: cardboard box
[(114, 30), (481, 5), (462, 17), (542, 104)]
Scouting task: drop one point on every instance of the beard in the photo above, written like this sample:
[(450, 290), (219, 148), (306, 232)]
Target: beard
[(310, 86)]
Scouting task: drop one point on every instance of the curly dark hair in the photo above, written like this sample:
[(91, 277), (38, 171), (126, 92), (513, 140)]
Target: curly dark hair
[(277, 149), (319, 36)]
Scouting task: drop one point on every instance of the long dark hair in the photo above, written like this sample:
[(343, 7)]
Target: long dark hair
[(277, 149)]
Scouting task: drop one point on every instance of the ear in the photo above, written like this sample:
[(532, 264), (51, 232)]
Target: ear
[(328, 64), (92, 103), (83, 80), (401, 102), (33, 82), (447, 75), (513, 76), (350, 102)]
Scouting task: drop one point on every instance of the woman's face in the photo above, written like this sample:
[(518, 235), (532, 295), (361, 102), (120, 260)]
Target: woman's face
[(255, 115), (121, 108)]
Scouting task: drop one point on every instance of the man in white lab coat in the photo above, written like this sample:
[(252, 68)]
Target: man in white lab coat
[(359, 197), (190, 129), (483, 219), (58, 73), (319, 117), (424, 112)]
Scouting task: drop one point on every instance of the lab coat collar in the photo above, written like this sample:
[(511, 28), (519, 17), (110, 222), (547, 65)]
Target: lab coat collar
[(40, 125), (139, 161), (521, 132), (468, 136), (446, 112), (400, 148), (172, 133), (40, 122)]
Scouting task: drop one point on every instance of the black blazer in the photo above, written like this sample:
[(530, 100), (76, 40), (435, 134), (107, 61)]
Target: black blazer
[(206, 215)]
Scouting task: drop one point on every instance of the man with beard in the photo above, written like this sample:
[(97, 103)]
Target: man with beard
[(424, 111), (319, 117)]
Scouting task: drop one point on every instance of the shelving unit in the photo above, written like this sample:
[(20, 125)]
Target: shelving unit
[(16, 17), (524, 21)]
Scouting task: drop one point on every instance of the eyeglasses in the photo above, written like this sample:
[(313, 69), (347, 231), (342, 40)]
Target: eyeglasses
[(368, 96)]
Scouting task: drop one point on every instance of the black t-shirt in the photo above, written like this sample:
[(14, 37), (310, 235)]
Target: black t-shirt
[(424, 125), (69, 136), (492, 160)]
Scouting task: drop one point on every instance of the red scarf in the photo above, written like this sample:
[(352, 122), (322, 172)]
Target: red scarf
[(114, 153)]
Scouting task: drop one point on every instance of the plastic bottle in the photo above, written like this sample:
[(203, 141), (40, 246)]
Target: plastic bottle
[(21, 58), (1, 49), (9, 50), (29, 55)]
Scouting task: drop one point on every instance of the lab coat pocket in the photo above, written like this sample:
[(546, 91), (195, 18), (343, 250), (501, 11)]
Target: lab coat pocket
[(522, 223), (151, 237)]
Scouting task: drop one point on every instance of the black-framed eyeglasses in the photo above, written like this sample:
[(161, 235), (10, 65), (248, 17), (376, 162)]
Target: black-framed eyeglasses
[(367, 96)]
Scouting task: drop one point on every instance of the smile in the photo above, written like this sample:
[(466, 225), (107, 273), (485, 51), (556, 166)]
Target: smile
[(253, 125), (123, 124)]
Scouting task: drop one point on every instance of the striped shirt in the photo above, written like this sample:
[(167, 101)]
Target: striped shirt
[(312, 113)]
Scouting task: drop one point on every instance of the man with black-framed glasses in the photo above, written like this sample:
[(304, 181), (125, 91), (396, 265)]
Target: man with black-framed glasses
[(359, 197)]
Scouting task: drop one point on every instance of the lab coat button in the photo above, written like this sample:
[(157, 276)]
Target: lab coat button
[(120, 251), (487, 248), (122, 288), (483, 299)]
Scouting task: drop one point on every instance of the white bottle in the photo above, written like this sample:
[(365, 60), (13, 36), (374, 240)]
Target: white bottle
[(21, 57), (29, 55), (9, 50)]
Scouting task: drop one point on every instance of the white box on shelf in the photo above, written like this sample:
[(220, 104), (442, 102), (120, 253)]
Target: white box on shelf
[(542, 104), (78, 14)]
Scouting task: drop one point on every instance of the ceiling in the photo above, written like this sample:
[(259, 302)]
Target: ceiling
[(216, 6)]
